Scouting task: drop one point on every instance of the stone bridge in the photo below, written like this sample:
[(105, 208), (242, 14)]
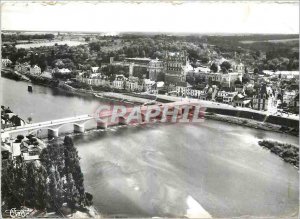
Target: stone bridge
[(77, 124), (54, 128)]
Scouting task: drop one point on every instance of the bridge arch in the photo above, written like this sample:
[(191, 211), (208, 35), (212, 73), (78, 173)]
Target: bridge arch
[(44, 132), (94, 124)]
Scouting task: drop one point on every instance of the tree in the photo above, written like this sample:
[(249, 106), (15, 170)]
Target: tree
[(214, 67), (238, 81), (225, 66), (19, 138), (245, 79), (29, 119), (161, 76), (72, 167)]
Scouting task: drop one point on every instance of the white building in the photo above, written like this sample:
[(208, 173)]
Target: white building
[(226, 80), (288, 97), (6, 62), (287, 74), (62, 71), (119, 82), (95, 69), (155, 67), (227, 97), (196, 93), (22, 68), (133, 84), (183, 89), (148, 85), (35, 70), (46, 74)]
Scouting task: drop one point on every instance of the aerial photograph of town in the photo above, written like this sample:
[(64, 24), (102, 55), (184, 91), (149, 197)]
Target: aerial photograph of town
[(150, 110)]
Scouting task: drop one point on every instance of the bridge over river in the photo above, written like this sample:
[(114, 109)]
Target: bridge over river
[(82, 123)]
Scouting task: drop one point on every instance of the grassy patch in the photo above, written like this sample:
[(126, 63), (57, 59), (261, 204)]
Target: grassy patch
[(289, 153)]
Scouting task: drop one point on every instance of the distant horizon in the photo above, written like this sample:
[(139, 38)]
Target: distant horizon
[(151, 33), (215, 18)]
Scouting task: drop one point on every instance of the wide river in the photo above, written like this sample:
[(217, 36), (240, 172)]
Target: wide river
[(208, 169)]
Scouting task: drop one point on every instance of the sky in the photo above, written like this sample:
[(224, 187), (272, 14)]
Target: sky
[(191, 17)]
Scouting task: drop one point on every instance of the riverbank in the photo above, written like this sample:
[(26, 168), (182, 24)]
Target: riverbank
[(250, 123), (246, 117), (289, 153)]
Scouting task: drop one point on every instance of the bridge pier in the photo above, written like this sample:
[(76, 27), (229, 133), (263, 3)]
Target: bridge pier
[(122, 121), (52, 132), (101, 125), (79, 128)]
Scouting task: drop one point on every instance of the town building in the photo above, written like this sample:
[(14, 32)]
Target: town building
[(287, 74), (183, 89), (22, 67), (175, 67), (6, 62), (35, 70), (61, 71), (288, 97), (237, 67), (265, 99), (119, 82), (155, 68), (133, 84), (95, 69), (224, 79), (240, 101), (226, 97), (149, 85), (196, 93)]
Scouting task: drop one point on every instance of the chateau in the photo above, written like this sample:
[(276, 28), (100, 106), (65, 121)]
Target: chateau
[(175, 67)]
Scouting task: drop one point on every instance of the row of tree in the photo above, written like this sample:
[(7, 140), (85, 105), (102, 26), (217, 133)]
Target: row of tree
[(46, 185)]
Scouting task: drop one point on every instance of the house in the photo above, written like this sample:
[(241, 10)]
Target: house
[(95, 69), (241, 101), (6, 151), (195, 93), (133, 84), (149, 85), (238, 67), (175, 64), (22, 68), (183, 89), (287, 74), (296, 101), (203, 96), (61, 71), (264, 99), (35, 70), (46, 74), (226, 97), (288, 97), (239, 88), (119, 82), (155, 67), (6, 62), (95, 75)]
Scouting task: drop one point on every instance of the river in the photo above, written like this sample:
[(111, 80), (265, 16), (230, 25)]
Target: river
[(210, 168)]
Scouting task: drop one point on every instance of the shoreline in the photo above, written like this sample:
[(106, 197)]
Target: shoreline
[(248, 123), (287, 152)]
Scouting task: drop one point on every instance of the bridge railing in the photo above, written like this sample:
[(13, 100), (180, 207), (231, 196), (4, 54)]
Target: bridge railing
[(52, 122)]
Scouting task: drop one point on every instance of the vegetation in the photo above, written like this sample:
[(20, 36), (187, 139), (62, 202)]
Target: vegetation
[(15, 37), (289, 153), (259, 55), (48, 185)]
